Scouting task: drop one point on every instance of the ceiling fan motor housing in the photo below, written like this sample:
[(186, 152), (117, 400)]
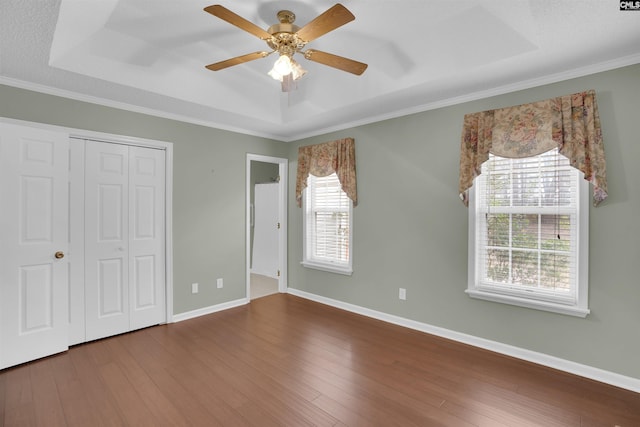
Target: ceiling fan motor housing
[(284, 39)]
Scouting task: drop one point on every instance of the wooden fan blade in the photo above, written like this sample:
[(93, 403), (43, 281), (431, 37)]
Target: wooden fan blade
[(335, 61), (331, 19), (237, 20), (237, 60)]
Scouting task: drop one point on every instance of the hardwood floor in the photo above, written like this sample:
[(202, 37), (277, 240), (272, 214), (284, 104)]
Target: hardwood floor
[(286, 361)]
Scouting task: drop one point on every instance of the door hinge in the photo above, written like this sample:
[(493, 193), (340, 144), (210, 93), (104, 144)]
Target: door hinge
[(278, 226), (278, 273)]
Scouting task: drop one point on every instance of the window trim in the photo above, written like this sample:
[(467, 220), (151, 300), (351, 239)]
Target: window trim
[(328, 266), (579, 308)]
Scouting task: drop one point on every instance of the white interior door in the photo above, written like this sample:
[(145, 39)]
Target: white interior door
[(106, 239), (266, 229), (33, 229), (146, 237)]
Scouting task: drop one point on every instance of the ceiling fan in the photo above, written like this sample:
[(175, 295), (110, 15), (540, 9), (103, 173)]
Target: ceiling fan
[(288, 39)]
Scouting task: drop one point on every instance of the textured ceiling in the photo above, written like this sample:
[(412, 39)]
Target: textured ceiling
[(149, 56)]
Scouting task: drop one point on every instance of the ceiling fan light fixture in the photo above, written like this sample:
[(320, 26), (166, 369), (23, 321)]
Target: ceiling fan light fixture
[(297, 70), (285, 66), (281, 67)]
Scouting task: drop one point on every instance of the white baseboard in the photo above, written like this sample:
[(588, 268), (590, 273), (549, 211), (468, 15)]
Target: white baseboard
[(208, 310), (586, 371)]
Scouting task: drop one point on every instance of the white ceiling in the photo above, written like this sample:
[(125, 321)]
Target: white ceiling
[(149, 56)]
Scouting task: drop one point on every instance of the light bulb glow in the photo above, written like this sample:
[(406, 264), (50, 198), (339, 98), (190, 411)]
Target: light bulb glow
[(281, 68), (284, 66)]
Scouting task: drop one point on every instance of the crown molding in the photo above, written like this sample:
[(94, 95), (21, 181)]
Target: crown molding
[(472, 96)]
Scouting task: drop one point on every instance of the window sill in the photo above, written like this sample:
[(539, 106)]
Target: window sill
[(345, 270), (529, 303)]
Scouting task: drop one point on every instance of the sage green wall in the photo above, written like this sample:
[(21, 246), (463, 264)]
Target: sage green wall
[(208, 187), (410, 231)]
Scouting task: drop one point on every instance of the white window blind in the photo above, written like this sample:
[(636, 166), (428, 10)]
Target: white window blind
[(327, 225), (527, 225)]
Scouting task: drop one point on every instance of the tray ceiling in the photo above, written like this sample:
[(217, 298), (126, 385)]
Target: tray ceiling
[(149, 56)]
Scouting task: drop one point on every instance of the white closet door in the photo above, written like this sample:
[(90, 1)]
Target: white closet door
[(33, 228), (106, 239), (77, 329), (265, 232), (146, 237)]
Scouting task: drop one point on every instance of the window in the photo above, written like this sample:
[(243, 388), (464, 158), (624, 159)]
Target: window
[(528, 234), (327, 225)]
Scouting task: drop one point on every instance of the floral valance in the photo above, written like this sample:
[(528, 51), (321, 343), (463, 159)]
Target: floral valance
[(324, 159), (569, 122)]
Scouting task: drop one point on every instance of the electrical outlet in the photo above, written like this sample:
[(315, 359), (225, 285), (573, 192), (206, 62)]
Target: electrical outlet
[(402, 294), (194, 288), (219, 283)]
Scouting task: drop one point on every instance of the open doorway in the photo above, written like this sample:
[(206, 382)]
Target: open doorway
[(266, 225)]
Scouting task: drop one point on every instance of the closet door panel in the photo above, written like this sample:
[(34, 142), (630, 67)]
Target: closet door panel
[(106, 239), (111, 285), (34, 238), (146, 232), (77, 332), (144, 268)]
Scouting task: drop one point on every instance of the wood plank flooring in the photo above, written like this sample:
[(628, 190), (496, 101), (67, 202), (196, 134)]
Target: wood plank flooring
[(286, 361)]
